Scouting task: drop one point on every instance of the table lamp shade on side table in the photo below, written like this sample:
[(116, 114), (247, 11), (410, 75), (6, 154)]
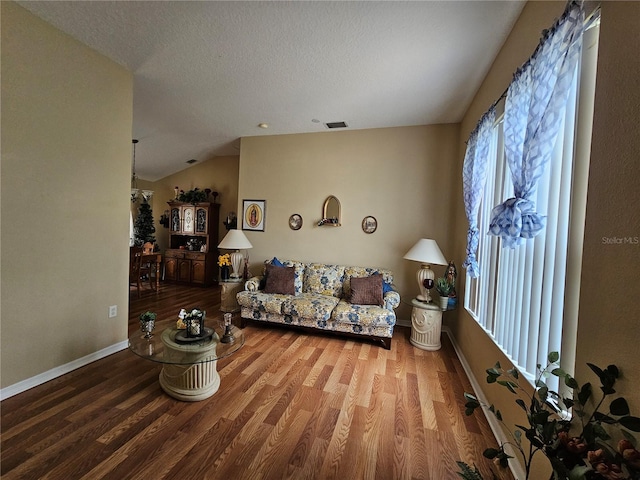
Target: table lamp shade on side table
[(236, 240), (427, 252)]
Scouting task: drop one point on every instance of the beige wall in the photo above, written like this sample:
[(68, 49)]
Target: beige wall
[(66, 156), (401, 176), (220, 174), (609, 301), (607, 325)]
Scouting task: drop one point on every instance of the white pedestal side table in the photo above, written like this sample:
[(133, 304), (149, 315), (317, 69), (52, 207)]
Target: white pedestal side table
[(189, 371), (426, 325)]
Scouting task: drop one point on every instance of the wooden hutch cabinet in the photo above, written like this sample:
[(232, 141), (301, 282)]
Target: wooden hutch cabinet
[(193, 254)]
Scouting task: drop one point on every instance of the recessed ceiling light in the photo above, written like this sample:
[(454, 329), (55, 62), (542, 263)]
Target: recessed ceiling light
[(263, 125)]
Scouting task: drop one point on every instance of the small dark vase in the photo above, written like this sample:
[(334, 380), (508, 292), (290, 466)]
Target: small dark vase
[(224, 273)]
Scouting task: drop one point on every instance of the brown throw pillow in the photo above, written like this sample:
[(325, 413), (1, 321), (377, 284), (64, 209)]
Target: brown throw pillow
[(280, 280), (366, 290)]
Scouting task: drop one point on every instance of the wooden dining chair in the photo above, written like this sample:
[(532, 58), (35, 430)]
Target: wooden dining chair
[(135, 266)]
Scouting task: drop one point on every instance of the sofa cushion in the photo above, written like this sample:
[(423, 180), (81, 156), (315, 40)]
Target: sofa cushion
[(280, 280), (299, 268), (350, 272), (323, 279), (366, 290), (263, 302), (363, 315), (309, 305)]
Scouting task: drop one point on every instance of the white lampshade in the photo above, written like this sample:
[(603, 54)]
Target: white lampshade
[(235, 240), (425, 251)]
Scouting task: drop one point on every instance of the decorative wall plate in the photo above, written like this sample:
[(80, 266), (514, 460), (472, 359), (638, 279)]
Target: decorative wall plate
[(295, 222), (369, 224)]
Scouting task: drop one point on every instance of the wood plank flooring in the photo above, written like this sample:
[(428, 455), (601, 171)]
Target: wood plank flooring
[(290, 405)]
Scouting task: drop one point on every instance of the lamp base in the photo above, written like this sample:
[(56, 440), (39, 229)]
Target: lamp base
[(424, 275), (236, 262)]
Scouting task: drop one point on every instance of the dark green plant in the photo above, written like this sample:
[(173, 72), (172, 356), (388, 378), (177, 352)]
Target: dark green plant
[(443, 287), (193, 196), (143, 227), (469, 473), (575, 445), (148, 316)]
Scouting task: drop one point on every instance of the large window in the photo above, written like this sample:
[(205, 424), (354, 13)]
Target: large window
[(526, 298)]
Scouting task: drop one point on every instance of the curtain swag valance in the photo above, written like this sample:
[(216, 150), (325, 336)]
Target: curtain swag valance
[(535, 102)]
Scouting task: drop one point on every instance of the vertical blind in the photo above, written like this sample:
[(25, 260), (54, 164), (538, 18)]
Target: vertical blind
[(519, 298)]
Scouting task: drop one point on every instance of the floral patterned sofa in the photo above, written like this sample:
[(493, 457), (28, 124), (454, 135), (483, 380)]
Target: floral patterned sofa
[(321, 297)]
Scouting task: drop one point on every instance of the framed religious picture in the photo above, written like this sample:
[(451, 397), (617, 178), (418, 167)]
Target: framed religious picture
[(253, 215), (369, 224), (295, 221)]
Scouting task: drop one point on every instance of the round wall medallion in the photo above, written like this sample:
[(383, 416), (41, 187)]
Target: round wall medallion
[(295, 222), (369, 224)]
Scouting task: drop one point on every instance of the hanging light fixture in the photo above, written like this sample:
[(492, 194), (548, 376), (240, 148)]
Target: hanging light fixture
[(146, 194)]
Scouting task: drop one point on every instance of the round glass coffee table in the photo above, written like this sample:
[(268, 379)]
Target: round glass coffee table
[(189, 370)]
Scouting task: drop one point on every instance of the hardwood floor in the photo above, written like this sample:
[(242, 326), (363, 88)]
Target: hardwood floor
[(290, 405)]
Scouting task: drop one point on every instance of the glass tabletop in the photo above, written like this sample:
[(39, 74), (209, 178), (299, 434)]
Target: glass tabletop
[(163, 347)]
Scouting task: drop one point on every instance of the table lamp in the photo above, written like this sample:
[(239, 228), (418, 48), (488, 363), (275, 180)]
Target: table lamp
[(235, 240), (425, 251)]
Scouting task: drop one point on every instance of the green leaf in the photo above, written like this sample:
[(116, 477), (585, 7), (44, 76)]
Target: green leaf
[(498, 415), (520, 402), (607, 390), (510, 385), (491, 453), (597, 370), (613, 371), (585, 394), (601, 417), (619, 407), (491, 379), (571, 382), (467, 473), (632, 423), (543, 393), (558, 372), (517, 435), (578, 472), (600, 432), (514, 373), (553, 357), (540, 384)]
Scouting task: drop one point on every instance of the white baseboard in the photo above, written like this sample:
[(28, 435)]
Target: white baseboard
[(24, 385), (514, 466), (403, 322)]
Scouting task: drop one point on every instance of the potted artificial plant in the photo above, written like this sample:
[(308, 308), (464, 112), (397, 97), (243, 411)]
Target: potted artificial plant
[(444, 288)]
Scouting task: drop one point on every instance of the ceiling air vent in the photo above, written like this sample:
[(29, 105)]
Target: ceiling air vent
[(192, 161), (336, 125)]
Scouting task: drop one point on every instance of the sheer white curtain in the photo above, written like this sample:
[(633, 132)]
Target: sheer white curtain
[(534, 110), (474, 174)]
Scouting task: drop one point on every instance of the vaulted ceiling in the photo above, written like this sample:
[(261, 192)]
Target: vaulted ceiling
[(207, 73)]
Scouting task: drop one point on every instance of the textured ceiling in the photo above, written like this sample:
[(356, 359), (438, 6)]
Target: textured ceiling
[(207, 73)]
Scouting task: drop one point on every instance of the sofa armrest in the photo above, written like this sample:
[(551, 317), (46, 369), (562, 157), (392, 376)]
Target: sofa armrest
[(253, 284), (391, 300)]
